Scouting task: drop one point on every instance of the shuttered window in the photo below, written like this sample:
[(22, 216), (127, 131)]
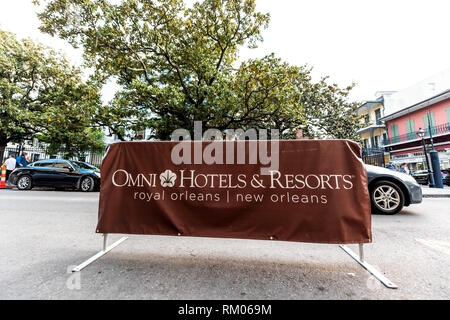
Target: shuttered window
[(394, 133), (378, 116), (410, 129), (429, 117)]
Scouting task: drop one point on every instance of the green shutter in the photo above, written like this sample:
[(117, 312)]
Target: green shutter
[(425, 121), (433, 122), (407, 126), (394, 133), (410, 129), (447, 110)]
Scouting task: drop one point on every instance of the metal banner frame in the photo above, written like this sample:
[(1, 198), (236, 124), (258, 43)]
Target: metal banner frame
[(104, 251), (360, 259)]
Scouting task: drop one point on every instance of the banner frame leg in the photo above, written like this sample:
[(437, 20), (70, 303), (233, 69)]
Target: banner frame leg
[(99, 254), (360, 259)]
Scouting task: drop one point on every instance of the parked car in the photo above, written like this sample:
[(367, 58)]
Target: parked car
[(421, 177), (446, 177), (56, 173), (390, 190)]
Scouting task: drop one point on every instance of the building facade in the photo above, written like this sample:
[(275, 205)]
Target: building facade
[(403, 143), (373, 131)]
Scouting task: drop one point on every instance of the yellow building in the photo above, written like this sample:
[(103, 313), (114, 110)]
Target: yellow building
[(373, 131)]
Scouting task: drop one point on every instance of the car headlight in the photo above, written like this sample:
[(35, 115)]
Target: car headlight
[(97, 174)]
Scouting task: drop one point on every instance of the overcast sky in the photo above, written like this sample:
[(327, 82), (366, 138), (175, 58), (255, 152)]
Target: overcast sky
[(380, 45)]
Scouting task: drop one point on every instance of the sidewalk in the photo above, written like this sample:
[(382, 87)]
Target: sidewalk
[(428, 192)]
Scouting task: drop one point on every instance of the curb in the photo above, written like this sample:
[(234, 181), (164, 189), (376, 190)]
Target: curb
[(435, 195)]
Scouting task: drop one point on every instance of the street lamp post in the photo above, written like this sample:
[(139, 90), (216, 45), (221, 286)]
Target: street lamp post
[(434, 157), (421, 134)]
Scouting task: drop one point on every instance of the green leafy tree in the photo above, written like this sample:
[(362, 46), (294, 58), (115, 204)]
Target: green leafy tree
[(42, 96), (328, 113), (176, 65), (264, 94)]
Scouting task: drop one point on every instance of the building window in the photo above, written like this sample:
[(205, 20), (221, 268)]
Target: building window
[(410, 129), (385, 139), (447, 110), (366, 143), (376, 141), (429, 121), (394, 133), (378, 116)]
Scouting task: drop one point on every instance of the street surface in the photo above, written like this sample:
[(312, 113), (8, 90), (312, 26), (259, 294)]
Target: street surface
[(45, 233)]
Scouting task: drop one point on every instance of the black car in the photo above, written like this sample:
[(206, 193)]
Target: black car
[(446, 177), (390, 190), (56, 173), (421, 177)]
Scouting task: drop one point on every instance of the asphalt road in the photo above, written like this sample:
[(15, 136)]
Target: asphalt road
[(43, 234)]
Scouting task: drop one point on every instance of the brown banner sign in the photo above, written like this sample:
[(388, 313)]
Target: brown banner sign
[(306, 190)]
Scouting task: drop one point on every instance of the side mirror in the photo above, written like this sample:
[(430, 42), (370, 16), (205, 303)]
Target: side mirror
[(68, 168)]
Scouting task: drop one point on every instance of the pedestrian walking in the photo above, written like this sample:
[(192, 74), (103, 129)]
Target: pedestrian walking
[(404, 168), (10, 165), (21, 160)]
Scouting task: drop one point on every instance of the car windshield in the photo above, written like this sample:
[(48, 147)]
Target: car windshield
[(84, 165)]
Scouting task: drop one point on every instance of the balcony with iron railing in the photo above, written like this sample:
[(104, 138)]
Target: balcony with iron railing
[(372, 124), (436, 131)]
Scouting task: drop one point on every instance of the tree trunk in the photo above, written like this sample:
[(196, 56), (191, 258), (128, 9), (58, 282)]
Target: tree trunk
[(2, 151), (3, 144)]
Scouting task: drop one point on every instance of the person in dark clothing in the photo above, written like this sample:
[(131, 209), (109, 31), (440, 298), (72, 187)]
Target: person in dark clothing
[(21, 160), (390, 166)]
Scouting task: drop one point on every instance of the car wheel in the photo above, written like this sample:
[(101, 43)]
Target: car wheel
[(87, 184), (24, 183), (386, 197)]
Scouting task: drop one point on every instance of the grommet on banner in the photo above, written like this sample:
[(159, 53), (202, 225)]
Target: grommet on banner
[(179, 233)]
